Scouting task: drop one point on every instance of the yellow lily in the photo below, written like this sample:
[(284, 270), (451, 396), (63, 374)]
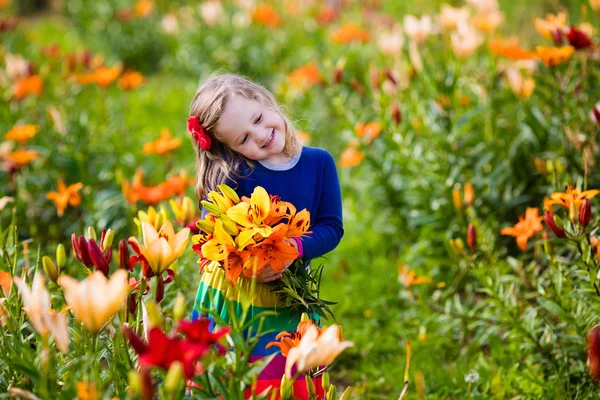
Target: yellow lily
[(251, 216), (216, 248), (161, 248), (155, 218), (96, 299), (36, 302), (184, 210)]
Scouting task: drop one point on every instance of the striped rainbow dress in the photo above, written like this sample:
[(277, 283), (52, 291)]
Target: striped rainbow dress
[(212, 294)]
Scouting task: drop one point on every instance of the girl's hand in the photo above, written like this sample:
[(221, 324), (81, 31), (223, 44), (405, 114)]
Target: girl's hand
[(267, 275)]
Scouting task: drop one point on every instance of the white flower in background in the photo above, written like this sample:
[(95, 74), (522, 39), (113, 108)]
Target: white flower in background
[(484, 6), (418, 29), (212, 12), (451, 17), (390, 42), (169, 24), (465, 41), (472, 377)]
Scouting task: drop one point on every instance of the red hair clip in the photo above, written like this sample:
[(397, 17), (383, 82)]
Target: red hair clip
[(198, 132)]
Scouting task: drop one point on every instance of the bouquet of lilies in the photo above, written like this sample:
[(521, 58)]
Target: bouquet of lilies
[(243, 236)]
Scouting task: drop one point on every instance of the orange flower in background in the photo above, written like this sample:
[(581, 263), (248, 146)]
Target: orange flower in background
[(525, 228), (409, 278), (22, 133), (351, 157), (326, 15), (369, 131), (164, 144), (32, 85), (266, 15), (4, 3), (143, 8), (22, 157), (487, 22), (572, 195), (304, 137), (510, 49), (5, 283), (547, 27), (350, 33), (595, 4), (103, 76), (552, 56), (305, 77), (173, 186), (65, 196), (131, 80)]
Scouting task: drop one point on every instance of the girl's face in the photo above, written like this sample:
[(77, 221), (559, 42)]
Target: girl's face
[(252, 130)]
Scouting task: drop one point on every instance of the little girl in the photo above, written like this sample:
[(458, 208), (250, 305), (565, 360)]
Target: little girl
[(247, 142)]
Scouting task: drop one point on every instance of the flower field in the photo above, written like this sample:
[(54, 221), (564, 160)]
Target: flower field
[(466, 140)]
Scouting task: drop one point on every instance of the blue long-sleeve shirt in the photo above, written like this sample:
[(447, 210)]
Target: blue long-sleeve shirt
[(308, 181)]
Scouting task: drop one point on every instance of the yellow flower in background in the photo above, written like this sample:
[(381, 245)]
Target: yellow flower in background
[(316, 349), (36, 302), (552, 56), (251, 216), (489, 21), (96, 299), (22, 157), (521, 87), (154, 218), (65, 196), (162, 248), (22, 133), (595, 4), (184, 210), (465, 41), (163, 145), (548, 26), (131, 80), (451, 18), (418, 29)]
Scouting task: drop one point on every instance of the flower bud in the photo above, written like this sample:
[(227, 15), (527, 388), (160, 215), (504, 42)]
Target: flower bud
[(573, 212), (471, 237), (325, 382), (346, 394), (396, 114), (585, 214), (331, 393), (310, 387), (135, 382), (154, 316), (124, 256), (61, 256), (469, 195), (593, 352), (596, 113), (550, 221), (50, 268), (560, 168), (108, 239), (174, 377), (91, 233), (452, 244), (460, 245), (211, 208), (179, 307), (456, 199), (304, 317), (286, 388)]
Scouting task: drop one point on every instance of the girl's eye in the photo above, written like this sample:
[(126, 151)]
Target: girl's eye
[(245, 139), (258, 119)]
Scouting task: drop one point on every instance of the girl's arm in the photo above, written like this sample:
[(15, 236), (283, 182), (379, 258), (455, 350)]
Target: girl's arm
[(327, 226)]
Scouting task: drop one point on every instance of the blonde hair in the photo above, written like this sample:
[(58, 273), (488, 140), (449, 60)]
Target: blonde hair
[(220, 164)]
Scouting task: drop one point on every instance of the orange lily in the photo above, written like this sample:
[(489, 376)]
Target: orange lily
[(525, 228), (572, 195), (65, 196), (305, 77), (275, 250), (521, 87), (552, 23), (32, 85), (5, 283), (131, 80), (22, 157), (164, 144), (351, 157), (552, 56), (408, 278), (510, 49), (350, 33), (103, 76), (369, 131), (289, 340), (266, 15), (143, 8), (173, 186), (22, 133)]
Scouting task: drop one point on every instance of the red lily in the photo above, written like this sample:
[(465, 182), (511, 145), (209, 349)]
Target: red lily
[(578, 39), (90, 254)]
